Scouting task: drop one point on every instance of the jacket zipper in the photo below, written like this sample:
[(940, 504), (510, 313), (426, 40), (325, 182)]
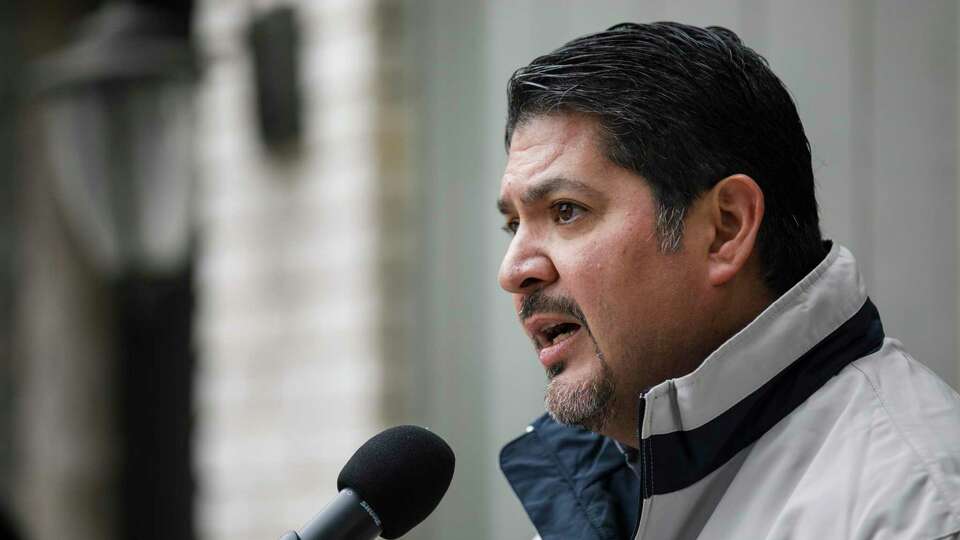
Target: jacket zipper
[(643, 463)]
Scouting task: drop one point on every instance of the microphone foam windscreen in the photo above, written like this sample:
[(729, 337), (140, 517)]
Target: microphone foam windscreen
[(402, 473)]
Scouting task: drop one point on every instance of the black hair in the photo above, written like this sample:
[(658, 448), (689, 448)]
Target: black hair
[(685, 107)]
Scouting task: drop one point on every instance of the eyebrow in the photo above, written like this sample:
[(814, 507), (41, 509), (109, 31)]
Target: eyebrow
[(543, 189)]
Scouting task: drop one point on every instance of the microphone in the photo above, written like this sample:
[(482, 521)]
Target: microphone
[(388, 487)]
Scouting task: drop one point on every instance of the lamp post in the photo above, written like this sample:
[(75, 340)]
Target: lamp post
[(117, 107)]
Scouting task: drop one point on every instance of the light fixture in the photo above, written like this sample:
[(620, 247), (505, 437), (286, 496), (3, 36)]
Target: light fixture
[(118, 112)]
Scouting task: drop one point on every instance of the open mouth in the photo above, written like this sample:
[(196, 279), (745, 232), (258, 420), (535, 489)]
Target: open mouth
[(557, 333)]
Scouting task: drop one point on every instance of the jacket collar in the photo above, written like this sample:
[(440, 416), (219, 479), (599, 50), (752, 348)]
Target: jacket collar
[(573, 483), (693, 424)]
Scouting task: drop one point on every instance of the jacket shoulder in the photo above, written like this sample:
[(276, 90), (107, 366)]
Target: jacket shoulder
[(919, 414), (873, 454)]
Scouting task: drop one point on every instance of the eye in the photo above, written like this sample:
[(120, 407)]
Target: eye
[(567, 212), (511, 226)]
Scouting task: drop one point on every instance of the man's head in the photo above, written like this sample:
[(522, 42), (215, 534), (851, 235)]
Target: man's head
[(660, 190)]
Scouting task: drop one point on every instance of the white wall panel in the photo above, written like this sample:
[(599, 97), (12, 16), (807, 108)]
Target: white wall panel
[(915, 178), (797, 36)]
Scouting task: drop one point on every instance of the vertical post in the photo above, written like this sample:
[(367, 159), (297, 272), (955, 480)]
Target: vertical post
[(154, 363)]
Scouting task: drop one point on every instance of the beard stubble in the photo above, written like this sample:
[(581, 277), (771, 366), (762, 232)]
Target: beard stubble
[(586, 403)]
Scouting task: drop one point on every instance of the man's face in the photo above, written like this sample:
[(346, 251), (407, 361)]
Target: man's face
[(609, 313)]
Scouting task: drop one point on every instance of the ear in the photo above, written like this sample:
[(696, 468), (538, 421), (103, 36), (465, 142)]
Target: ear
[(736, 212)]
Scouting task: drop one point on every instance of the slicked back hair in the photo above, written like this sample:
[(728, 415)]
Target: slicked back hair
[(685, 107)]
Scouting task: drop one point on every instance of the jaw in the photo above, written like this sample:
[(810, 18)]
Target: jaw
[(583, 393)]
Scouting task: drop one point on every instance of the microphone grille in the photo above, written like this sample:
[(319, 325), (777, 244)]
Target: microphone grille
[(402, 473)]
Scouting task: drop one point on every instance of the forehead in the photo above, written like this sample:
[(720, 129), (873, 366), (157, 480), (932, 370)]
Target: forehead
[(564, 145)]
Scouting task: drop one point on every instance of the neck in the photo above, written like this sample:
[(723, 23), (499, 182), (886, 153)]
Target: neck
[(740, 305)]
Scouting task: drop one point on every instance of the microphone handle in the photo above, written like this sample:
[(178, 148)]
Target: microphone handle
[(347, 517)]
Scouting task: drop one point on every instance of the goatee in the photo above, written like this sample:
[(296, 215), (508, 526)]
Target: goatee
[(588, 403)]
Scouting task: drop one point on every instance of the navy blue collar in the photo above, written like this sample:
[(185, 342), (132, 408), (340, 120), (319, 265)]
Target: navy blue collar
[(573, 483)]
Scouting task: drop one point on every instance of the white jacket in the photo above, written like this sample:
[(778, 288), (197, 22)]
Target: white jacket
[(870, 452)]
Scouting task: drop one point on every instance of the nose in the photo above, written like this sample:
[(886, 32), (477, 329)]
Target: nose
[(525, 267)]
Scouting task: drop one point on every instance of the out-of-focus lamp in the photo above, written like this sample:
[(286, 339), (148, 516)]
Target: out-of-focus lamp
[(117, 106)]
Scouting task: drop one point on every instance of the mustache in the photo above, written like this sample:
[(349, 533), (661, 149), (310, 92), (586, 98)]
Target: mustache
[(538, 302)]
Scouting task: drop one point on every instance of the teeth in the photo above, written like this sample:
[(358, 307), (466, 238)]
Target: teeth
[(549, 339), (560, 337)]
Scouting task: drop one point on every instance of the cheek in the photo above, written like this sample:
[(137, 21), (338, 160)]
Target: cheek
[(586, 277), (624, 287), (604, 283), (611, 271)]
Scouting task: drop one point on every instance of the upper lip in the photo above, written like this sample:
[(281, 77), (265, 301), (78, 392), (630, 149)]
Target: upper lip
[(535, 326)]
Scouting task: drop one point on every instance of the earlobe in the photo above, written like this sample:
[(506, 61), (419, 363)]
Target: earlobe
[(737, 211)]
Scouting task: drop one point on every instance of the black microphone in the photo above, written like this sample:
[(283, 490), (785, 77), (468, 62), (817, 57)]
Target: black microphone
[(388, 487)]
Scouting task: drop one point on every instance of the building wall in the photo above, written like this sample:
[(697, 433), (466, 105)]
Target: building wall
[(288, 324)]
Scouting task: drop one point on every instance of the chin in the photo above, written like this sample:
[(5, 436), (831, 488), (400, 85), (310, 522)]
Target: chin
[(585, 400)]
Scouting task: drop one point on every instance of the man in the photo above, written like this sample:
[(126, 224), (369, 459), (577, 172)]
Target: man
[(715, 368)]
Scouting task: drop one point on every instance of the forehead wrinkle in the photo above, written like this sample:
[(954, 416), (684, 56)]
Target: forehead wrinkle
[(531, 153), (530, 166)]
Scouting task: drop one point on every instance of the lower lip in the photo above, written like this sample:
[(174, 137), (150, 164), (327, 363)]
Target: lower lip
[(554, 354)]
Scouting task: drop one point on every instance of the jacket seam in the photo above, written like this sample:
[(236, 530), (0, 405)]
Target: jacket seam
[(923, 462)]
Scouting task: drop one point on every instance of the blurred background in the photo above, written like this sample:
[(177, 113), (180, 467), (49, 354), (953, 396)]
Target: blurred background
[(238, 238)]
